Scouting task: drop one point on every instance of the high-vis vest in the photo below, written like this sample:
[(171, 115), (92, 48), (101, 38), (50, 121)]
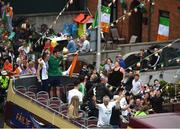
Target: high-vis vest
[(4, 82)]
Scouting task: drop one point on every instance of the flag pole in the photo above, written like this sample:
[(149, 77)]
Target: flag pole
[(98, 53)]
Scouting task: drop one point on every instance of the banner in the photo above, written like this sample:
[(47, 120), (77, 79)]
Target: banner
[(163, 31), (21, 118)]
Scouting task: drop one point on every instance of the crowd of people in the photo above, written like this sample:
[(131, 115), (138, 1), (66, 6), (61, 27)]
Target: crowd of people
[(109, 94), (106, 94)]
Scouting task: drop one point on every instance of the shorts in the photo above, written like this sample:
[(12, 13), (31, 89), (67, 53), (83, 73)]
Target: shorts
[(54, 81), (45, 85)]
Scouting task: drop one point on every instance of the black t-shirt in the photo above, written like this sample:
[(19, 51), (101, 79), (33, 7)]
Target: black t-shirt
[(115, 116), (128, 84), (115, 78), (100, 90), (156, 103)]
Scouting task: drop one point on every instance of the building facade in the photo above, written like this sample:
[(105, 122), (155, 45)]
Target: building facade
[(144, 24)]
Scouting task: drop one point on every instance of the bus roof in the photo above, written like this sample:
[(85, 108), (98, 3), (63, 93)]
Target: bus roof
[(164, 120)]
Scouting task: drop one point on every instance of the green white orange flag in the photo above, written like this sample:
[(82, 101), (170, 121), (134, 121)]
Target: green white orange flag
[(105, 18), (71, 68), (163, 31), (73, 65)]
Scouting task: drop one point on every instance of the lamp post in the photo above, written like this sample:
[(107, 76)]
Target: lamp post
[(98, 53)]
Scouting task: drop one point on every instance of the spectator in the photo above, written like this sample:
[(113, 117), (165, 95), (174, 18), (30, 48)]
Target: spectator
[(84, 71), (75, 92), (31, 68), (116, 77), (128, 84), (8, 66), (157, 102), (147, 98), (17, 70), (25, 48), (4, 82), (142, 111), (100, 90), (3, 9), (73, 108), (108, 65), (105, 112), (157, 85), (85, 46), (115, 120), (92, 110), (71, 46), (82, 88), (121, 61), (125, 104), (48, 46), (24, 69), (136, 85), (138, 104), (9, 15)]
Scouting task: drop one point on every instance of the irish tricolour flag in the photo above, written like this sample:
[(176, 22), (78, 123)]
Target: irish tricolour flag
[(105, 19), (163, 31)]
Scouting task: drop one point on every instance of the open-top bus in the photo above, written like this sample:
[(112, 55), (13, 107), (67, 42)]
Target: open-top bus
[(23, 108)]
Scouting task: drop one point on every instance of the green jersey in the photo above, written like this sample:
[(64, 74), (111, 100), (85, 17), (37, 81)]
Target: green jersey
[(82, 89), (54, 69)]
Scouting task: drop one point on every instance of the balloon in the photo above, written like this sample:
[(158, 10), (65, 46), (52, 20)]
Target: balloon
[(53, 43), (65, 50)]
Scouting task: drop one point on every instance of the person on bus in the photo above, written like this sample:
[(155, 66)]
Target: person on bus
[(73, 109), (75, 92), (54, 71), (42, 71), (105, 111)]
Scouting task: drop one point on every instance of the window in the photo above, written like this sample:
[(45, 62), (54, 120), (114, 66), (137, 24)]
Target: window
[(163, 14)]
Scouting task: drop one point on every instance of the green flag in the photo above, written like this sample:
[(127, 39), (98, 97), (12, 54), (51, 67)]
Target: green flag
[(95, 22), (4, 17)]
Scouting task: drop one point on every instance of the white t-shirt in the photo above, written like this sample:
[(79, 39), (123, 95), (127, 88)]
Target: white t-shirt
[(123, 104), (105, 113), (86, 46), (44, 70), (136, 87), (74, 92)]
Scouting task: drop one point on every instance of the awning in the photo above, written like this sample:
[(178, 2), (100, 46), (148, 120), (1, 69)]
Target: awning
[(82, 18)]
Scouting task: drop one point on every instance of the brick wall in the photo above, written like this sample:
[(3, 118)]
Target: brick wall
[(170, 6), (165, 5)]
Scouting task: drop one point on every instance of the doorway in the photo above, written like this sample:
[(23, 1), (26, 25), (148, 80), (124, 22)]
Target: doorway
[(135, 22)]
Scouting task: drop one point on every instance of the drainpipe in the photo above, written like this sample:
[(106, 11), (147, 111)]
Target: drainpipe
[(149, 26)]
